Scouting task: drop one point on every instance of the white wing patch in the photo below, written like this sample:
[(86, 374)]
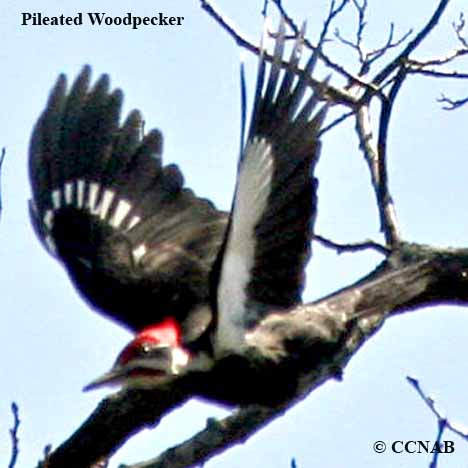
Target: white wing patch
[(68, 192), (48, 219), (56, 199), (134, 221), (92, 196), (122, 210), (89, 203), (106, 203), (80, 189), (251, 198)]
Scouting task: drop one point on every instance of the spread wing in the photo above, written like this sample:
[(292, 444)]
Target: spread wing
[(267, 245), (136, 243)]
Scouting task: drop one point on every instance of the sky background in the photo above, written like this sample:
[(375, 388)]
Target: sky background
[(186, 82)]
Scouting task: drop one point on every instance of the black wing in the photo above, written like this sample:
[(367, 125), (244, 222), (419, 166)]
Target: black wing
[(137, 245), (267, 245)]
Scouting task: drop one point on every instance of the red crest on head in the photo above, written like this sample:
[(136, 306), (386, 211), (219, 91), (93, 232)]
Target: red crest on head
[(166, 332)]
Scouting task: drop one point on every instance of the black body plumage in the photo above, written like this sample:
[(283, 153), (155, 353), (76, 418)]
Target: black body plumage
[(140, 247)]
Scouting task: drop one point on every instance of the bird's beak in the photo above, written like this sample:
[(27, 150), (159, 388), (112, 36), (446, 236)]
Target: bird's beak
[(157, 367), (112, 377)]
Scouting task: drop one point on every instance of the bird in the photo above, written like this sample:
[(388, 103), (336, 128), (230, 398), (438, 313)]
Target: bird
[(186, 278)]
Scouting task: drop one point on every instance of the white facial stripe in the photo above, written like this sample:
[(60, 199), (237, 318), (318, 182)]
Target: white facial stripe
[(139, 252), (180, 359), (80, 188), (68, 193), (122, 210)]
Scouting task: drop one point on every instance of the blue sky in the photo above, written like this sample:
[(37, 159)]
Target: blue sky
[(185, 81)]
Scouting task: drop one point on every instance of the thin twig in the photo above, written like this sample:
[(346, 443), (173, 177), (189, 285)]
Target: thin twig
[(431, 24), (14, 436), (228, 26), (377, 169), (388, 218), (366, 59), (442, 424), (336, 122), (432, 405), (403, 56), (458, 28), (432, 72), (451, 104), (338, 96), (352, 247), (352, 78), (419, 64), (47, 451)]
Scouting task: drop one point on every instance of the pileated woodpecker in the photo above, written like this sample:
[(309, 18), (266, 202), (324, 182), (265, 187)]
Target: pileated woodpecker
[(148, 253)]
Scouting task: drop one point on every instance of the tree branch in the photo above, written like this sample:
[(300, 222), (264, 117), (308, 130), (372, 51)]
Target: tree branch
[(312, 343), (425, 31), (214, 439), (353, 247), (366, 59), (376, 162), (442, 420), (353, 79), (288, 355), (334, 94), (451, 104), (14, 435)]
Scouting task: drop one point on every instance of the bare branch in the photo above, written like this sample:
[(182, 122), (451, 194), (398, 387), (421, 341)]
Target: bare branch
[(432, 72), (361, 9), (451, 104), (385, 201), (358, 246), (413, 45), (456, 428), (334, 11), (357, 43), (14, 436), (215, 438), (366, 59), (416, 65), (334, 94), (306, 346), (295, 352), (336, 122), (377, 168), (228, 25), (374, 55), (459, 29)]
